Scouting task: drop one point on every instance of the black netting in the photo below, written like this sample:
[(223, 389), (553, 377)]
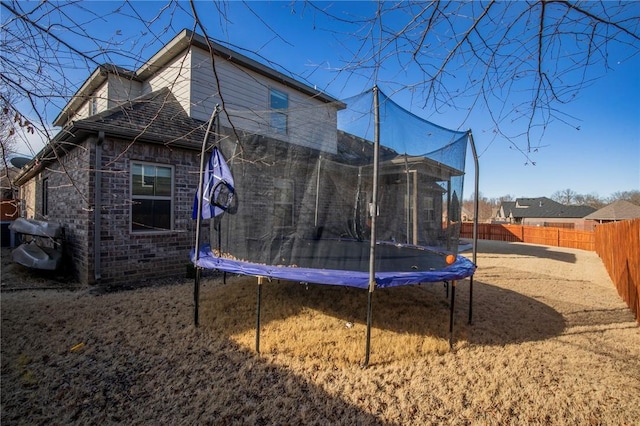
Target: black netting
[(306, 201)]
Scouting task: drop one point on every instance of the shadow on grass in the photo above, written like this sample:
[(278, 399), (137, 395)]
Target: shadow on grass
[(522, 249), (593, 317), (136, 367), (501, 316)]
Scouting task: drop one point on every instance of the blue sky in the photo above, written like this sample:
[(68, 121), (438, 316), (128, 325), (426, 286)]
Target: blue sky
[(597, 150)]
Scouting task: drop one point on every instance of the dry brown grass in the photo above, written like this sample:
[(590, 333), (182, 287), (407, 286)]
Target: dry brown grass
[(325, 323), (551, 343)]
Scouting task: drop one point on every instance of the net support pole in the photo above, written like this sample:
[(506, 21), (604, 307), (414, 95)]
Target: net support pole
[(196, 283), (374, 214), (475, 221), (449, 213), (315, 217), (408, 197), (451, 309), (258, 310)]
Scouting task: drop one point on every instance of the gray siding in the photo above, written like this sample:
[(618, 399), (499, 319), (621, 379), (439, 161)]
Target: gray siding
[(122, 90), (176, 77), (312, 123)]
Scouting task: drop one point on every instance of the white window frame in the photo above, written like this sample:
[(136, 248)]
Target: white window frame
[(278, 115), (430, 209), (144, 184), (93, 105)]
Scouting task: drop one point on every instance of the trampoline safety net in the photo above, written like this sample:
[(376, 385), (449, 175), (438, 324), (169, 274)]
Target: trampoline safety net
[(301, 195)]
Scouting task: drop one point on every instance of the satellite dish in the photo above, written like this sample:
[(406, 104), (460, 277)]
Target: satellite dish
[(19, 161)]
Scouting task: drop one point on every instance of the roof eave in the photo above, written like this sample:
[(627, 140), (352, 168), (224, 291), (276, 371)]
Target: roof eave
[(79, 131), (147, 137), (38, 162), (186, 38)]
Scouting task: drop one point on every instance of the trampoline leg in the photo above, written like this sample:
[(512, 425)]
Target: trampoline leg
[(451, 307), (196, 296), (258, 303), (470, 299), (368, 338)]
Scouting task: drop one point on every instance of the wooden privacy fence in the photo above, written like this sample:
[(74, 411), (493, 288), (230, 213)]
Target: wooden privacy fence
[(557, 237), (618, 245)]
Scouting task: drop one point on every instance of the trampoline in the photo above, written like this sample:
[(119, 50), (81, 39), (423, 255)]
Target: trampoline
[(343, 209), (346, 263)]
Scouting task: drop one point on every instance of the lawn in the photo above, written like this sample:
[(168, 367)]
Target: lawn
[(551, 342)]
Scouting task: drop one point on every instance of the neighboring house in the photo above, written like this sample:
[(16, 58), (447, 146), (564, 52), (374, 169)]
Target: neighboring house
[(122, 173), (542, 211), (466, 214), (614, 212)]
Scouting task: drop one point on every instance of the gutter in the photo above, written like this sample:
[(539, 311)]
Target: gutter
[(97, 208)]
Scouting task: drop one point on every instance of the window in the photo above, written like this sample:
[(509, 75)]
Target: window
[(93, 107), (151, 197), (279, 104), (45, 197), (283, 202), (429, 209)]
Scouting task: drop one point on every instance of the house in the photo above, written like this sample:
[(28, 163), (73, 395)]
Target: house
[(542, 211), (122, 173), (614, 212), (467, 214)]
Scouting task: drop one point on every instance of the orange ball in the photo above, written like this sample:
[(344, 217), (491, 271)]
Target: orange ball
[(450, 259)]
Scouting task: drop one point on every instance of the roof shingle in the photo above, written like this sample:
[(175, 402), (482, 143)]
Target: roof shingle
[(155, 117), (543, 207), (619, 210)]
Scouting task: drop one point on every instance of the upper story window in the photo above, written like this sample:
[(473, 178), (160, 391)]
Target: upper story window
[(151, 197), (93, 105), (429, 209), (279, 106)]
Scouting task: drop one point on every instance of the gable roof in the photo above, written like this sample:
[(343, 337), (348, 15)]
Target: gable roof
[(187, 38), (543, 207), (181, 42), (95, 80), (506, 207), (618, 210), (155, 117)]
